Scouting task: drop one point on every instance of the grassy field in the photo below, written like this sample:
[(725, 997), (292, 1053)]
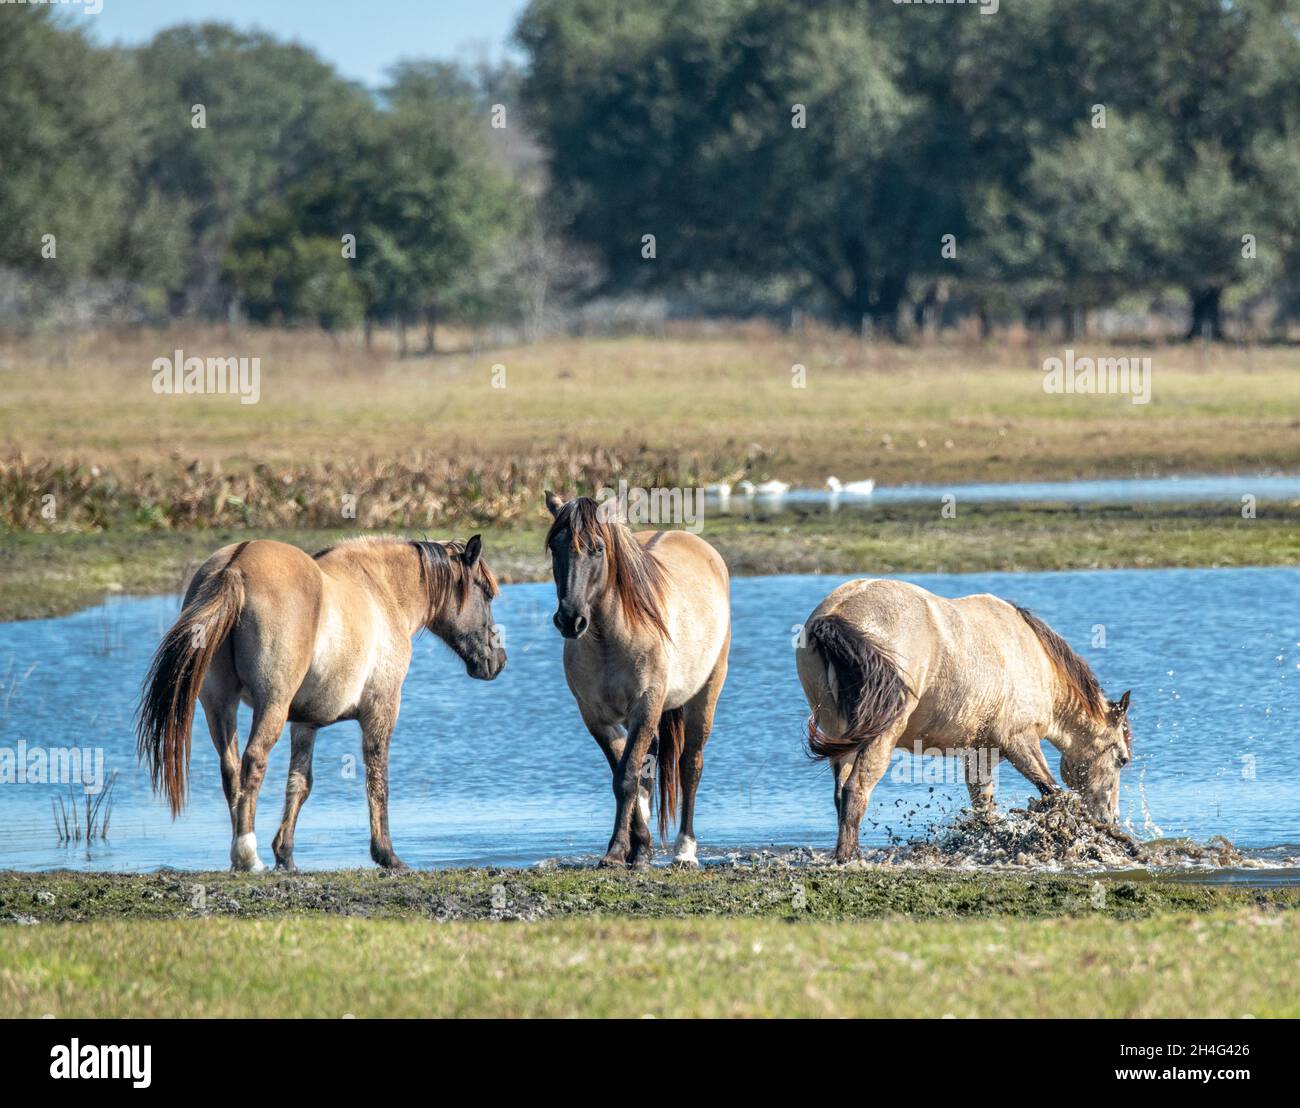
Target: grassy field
[(914, 413), (50, 573), (582, 942), (106, 487), (1224, 964)]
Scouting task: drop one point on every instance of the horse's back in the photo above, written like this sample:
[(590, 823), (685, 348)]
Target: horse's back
[(971, 662), (697, 608)]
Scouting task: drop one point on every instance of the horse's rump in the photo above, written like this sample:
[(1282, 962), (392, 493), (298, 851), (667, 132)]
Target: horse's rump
[(866, 684), (176, 675)]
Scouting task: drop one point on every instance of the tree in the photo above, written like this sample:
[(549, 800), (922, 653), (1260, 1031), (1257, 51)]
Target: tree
[(234, 120)]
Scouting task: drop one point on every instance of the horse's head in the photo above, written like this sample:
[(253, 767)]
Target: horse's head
[(463, 619), (578, 543), (1092, 769)]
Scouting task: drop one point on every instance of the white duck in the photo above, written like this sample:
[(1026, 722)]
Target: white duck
[(853, 488), (771, 488)]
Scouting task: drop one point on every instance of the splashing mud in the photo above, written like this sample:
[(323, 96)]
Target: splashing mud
[(1051, 833)]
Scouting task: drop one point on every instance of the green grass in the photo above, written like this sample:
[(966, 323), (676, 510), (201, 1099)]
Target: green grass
[(1222, 964), (45, 574)]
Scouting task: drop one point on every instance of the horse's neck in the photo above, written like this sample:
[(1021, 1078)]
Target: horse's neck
[(1072, 729), (608, 619), (397, 570)]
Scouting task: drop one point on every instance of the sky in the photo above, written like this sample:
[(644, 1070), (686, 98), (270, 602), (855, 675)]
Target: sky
[(361, 38)]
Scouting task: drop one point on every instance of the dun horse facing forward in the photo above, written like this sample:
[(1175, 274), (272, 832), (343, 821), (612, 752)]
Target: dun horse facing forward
[(308, 640), (646, 619), (886, 663)]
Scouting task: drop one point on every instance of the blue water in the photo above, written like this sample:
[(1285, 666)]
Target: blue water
[(504, 773), (1127, 490)]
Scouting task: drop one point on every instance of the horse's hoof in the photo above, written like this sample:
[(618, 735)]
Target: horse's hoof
[(686, 863), (394, 865), (640, 862), (613, 861), (286, 865)]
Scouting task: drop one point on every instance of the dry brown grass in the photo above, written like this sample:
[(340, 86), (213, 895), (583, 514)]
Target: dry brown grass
[(916, 413)]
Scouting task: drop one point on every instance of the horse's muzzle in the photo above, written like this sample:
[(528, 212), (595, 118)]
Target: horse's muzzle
[(571, 627), (487, 668)]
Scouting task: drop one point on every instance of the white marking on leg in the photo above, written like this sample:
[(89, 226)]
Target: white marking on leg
[(684, 850), (243, 854), (643, 803)]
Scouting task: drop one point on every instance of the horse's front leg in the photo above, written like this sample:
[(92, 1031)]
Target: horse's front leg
[(611, 741), (1025, 752), (377, 724), (643, 726)]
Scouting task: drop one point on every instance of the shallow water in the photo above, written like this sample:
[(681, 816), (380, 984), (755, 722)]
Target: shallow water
[(1134, 490), (503, 772)]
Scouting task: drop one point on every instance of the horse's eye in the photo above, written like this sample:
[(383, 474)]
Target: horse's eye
[(598, 549)]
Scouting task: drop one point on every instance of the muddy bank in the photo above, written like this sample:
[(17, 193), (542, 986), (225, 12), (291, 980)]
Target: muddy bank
[(758, 890), (1055, 833)]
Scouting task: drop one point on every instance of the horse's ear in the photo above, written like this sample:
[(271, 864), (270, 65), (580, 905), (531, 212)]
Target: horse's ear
[(473, 549), (1123, 701), (554, 503), (1119, 708)]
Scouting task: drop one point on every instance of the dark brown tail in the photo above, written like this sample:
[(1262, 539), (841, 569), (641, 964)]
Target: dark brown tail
[(870, 693), (672, 737), (166, 711)]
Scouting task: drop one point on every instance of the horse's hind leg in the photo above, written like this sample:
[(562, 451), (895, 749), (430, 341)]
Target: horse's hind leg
[(867, 768), (268, 722), (302, 737), (222, 716), (699, 725), (220, 700)]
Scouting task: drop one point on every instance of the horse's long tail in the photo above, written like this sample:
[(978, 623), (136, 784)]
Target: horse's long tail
[(866, 684), (166, 711), (672, 737)]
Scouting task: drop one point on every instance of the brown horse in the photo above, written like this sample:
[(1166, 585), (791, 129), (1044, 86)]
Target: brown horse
[(646, 620), (886, 664), (310, 640)]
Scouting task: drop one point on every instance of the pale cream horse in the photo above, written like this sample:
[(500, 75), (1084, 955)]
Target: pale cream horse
[(887, 664), (311, 641), (646, 619)]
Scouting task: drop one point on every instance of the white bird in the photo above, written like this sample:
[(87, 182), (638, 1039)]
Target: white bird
[(771, 488), (853, 488), (721, 490), (745, 488)]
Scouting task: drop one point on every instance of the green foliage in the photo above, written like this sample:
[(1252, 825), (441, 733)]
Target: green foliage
[(66, 149), (921, 122)]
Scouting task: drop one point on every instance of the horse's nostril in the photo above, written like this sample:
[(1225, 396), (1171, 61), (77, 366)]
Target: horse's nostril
[(580, 624)]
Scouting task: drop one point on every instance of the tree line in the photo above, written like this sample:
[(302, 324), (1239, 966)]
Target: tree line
[(869, 162)]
